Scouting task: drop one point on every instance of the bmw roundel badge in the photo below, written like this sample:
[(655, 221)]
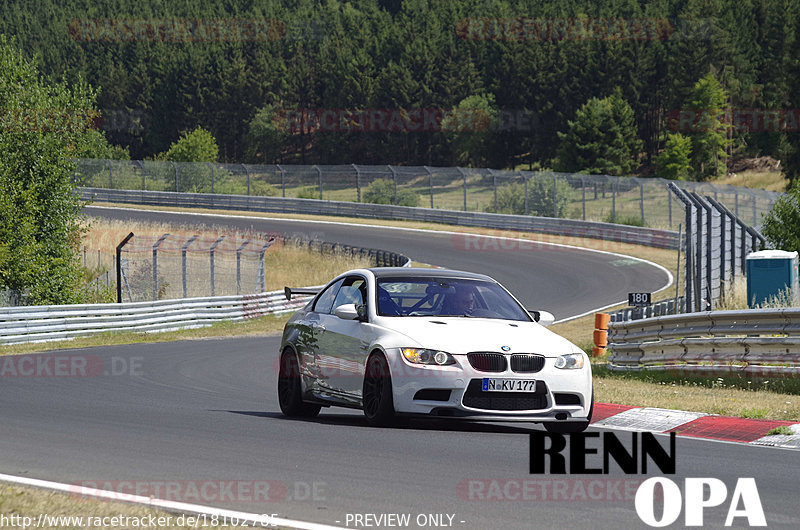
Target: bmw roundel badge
[(505, 348)]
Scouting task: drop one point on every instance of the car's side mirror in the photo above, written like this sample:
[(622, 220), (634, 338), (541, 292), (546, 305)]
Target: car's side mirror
[(545, 318), (350, 312)]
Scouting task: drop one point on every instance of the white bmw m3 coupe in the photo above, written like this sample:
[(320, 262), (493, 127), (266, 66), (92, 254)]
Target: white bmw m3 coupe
[(432, 342)]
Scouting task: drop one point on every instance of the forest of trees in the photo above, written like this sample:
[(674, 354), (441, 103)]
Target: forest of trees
[(514, 75)]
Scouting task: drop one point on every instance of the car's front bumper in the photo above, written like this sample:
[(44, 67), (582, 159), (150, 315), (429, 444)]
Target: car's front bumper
[(454, 392)]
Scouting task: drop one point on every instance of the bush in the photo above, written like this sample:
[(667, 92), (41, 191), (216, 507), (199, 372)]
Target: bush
[(674, 162), (196, 146), (39, 212), (381, 191), (781, 224), (511, 198), (630, 220)]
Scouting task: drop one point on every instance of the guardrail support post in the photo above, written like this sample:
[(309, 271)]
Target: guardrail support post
[(212, 175), (110, 176), (247, 172), (527, 201), (184, 248), (119, 265), (141, 165)]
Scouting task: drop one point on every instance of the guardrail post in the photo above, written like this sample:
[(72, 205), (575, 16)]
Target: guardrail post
[(211, 252), (239, 266), (430, 183), (110, 176), (184, 248), (155, 265), (119, 265), (212, 175), (141, 165), (247, 172)]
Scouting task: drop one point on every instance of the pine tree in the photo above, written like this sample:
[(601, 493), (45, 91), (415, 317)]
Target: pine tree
[(602, 138), (708, 128)]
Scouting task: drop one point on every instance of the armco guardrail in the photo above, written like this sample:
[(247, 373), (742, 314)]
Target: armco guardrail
[(566, 227), (755, 342), (58, 322), (657, 309)]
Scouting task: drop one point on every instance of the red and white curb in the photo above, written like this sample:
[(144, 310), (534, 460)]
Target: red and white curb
[(696, 425)]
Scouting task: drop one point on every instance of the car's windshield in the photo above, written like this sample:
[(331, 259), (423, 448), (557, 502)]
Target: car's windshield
[(410, 297)]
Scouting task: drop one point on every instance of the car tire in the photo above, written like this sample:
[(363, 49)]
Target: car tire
[(377, 392), (290, 393), (566, 427)]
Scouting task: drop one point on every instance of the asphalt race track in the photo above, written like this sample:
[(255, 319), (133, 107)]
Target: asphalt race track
[(189, 414), (564, 281)]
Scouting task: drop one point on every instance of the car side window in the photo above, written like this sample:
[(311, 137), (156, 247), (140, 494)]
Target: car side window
[(353, 291), (324, 302)]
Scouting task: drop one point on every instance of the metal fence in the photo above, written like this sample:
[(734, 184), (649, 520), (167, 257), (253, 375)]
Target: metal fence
[(179, 266), (753, 342), (170, 267), (716, 244), (638, 235), (626, 200)]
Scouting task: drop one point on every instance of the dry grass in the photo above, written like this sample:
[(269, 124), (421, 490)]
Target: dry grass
[(764, 180), (285, 264), (25, 501), (730, 396)]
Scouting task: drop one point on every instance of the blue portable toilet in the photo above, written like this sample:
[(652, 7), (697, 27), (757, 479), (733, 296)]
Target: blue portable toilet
[(769, 273)]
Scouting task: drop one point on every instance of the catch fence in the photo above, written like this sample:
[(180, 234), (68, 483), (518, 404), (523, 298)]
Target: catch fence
[(623, 200)]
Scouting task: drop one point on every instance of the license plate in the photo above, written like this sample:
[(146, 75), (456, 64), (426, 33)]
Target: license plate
[(508, 385)]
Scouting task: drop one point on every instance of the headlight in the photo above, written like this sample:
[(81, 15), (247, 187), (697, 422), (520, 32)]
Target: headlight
[(423, 356), (570, 362)]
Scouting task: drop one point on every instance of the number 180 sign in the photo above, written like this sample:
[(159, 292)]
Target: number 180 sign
[(638, 299)]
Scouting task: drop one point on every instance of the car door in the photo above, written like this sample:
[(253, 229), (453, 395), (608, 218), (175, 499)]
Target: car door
[(344, 343), (310, 339)]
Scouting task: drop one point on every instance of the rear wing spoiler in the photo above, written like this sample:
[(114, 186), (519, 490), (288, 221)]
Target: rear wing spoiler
[(289, 291)]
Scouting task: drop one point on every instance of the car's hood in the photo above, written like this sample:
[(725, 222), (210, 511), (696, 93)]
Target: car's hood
[(462, 335)]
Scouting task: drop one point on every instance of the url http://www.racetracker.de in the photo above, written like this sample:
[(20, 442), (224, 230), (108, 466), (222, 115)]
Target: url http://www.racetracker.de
[(43, 520)]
